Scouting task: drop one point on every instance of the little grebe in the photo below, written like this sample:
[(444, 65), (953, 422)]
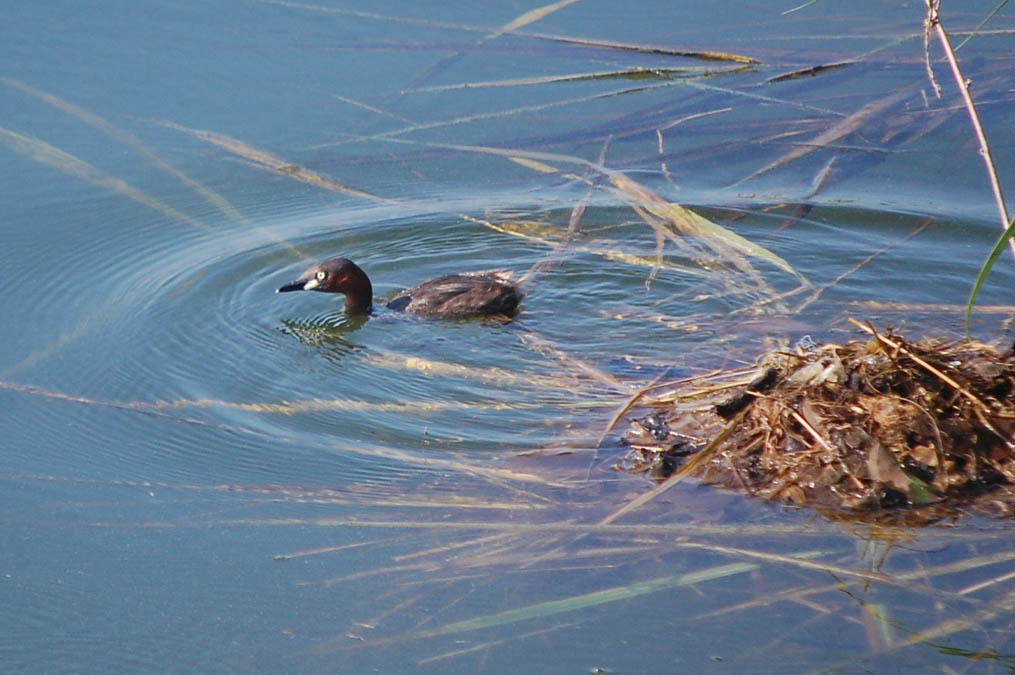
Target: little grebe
[(453, 296)]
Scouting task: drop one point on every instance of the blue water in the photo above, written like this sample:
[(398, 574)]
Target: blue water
[(198, 474)]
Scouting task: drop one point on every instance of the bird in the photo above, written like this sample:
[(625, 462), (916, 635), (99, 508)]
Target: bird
[(452, 296)]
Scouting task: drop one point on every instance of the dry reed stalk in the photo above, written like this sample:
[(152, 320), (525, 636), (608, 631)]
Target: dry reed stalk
[(933, 23)]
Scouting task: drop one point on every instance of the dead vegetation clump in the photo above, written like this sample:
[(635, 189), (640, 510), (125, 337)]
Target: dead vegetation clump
[(882, 427)]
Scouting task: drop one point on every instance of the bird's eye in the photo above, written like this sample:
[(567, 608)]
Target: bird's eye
[(321, 275)]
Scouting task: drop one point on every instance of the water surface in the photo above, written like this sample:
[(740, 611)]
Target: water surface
[(202, 474)]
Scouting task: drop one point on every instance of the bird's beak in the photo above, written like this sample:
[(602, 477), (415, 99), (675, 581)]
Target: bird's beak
[(305, 284)]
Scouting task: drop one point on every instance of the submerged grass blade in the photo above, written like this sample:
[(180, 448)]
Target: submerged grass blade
[(684, 220), (645, 49), (524, 19), (636, 73), (809, 72), (900, 579), (534, 164), (131, 141), (502, 377), (805, 562), (837, 131), (799, 7), (674, 217), (59, 342), (691, 224), (604, 248), (532, 16), (556, 257), (1005, 604), (44, 153), (541, 344), (271, 162), (511, 112), (373, 109), (490, 644), (393, 134), (387, 453), (870, 257), (575, 603), (349, 404), (377, 16)]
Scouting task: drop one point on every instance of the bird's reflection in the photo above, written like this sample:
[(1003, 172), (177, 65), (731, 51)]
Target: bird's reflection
[(330, 334)]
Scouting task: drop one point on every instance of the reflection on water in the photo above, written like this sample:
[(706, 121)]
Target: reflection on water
[(200, 472), (326, 335)]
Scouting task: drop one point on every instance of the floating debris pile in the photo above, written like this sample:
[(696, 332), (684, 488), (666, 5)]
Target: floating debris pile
[(878, 427)]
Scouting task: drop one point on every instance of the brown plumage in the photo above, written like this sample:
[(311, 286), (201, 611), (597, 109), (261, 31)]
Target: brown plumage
[(453, 296)]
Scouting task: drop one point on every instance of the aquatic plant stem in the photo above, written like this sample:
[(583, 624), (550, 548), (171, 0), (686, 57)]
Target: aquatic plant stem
[(933, 22)]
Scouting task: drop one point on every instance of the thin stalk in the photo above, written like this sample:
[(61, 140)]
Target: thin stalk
[(934, 22)]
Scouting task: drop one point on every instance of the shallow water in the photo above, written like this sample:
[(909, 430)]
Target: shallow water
[(172, 426)]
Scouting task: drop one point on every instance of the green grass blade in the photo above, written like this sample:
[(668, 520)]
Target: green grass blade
[(983, 23), (553, 607), (987, 266)]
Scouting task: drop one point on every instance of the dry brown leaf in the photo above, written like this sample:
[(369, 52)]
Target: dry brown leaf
[(883, 467)]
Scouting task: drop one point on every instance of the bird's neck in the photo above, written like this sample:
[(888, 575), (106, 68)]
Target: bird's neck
[(359, 294)]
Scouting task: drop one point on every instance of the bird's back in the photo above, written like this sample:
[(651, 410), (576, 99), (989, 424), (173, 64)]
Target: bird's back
[(461, 295)]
